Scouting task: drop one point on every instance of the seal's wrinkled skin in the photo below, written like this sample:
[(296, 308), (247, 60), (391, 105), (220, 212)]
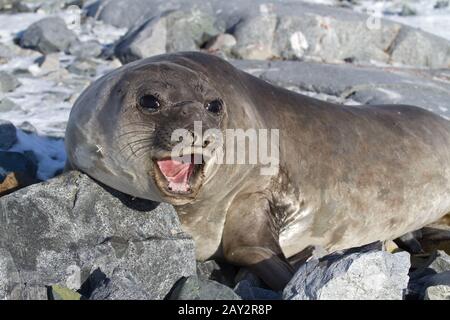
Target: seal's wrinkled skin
[(348, 175)]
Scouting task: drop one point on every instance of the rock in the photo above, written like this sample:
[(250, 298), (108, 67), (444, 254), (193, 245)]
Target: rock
[(72, 232), (365, 85), (8, 82), (147, 40), (436, 237), (27, 127), (48, 35), (407, 11), (8, 105), (211, 270), (86, 49), (439, 292), (417, 48), (245, 274), (390, 246), (425, 275), (246, 291), (250, 287), (353, 275), (17, 170), (135, 12), (63, 293), (6, 53), (8, 134), (439, 262), (119, 13), (171, 31), (289, 30), (254, 36), (6, 5), (223, 42), (49, 62), (194, 288), (441, 4), (418, 287), (119, 286), (85, 68)]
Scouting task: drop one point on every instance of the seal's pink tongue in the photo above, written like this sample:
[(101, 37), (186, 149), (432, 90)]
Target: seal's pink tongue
[(177, 174)]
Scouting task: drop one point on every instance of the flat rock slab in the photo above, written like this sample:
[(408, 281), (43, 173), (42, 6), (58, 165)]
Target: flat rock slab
[(360, 84), (72, 232)]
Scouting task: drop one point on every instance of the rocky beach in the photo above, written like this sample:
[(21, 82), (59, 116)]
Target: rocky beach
[(65, 236)]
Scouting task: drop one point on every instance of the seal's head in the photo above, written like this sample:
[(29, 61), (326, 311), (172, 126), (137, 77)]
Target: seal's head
[(121, 129)]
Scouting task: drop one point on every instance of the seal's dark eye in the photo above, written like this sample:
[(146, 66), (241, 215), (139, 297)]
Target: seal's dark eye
[(149, 103), (214, 106)]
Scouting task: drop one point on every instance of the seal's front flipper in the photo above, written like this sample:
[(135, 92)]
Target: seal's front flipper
[(409, 242), (274, 270), (250, 239)]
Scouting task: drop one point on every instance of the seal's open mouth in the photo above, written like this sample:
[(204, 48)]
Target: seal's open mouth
[(179, 177)]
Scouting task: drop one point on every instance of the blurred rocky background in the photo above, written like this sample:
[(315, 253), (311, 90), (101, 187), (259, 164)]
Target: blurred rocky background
[(69, 238)]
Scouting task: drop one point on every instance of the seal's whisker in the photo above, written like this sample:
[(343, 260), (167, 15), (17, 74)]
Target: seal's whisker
[(135, 132), (149, 125), (133, 143), (134, 152)]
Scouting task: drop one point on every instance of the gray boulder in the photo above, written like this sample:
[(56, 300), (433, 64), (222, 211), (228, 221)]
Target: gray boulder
[(72, 232), (418, 48), (132, 13), (294, 30), (83, 67), (85, 49), (7, 4), (432, 280), (8, 105), (8, 134), (171, 31), (48, 35), (223, 42), (439, 292), (8, 82), (247, 291), (353, 275), (437, 263), (6, 53), (195, 288), (431, 287), (254, 37)]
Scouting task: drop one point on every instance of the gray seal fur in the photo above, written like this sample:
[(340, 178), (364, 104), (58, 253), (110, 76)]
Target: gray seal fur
[(348, 175)]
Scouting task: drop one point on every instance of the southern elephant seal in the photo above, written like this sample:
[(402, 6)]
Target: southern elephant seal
[(347, 175)]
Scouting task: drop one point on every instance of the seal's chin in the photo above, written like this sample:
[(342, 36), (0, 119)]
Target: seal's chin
[(179, 179)]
